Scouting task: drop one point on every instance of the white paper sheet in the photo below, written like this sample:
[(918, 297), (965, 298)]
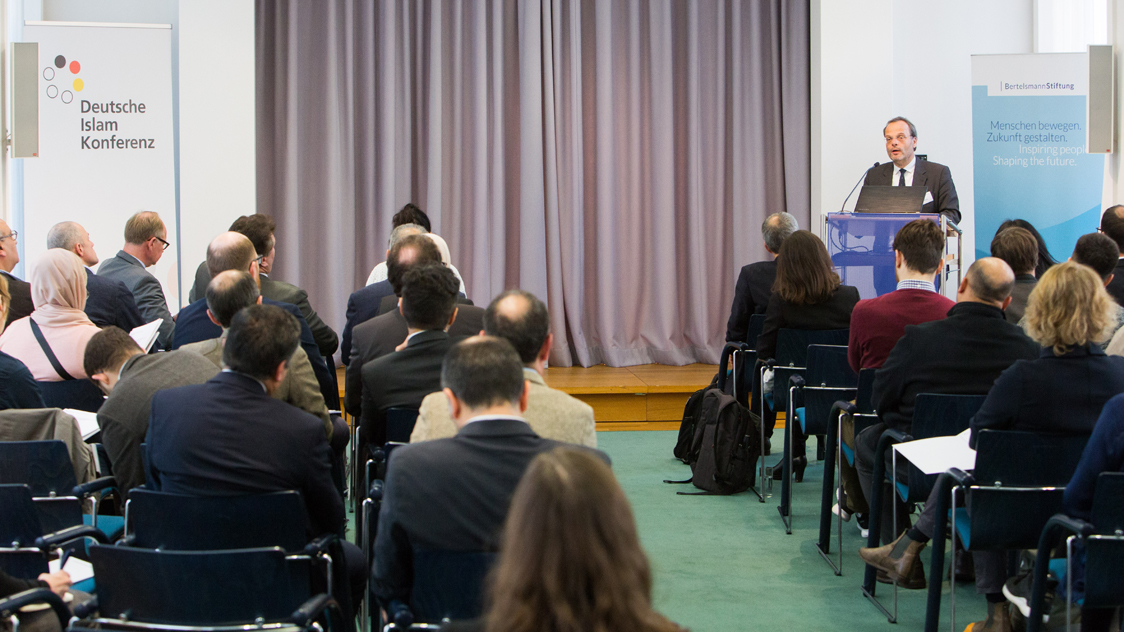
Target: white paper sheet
[(939, 454), (79, 570), (87, 421), (145, 335)]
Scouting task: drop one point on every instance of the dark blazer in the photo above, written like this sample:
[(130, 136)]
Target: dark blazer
[(21, 304), (1115, 287), (1020, 294), (933, 176), (228, 437), (1103, 453), (193, 325), (111, 303), (834, 313), (326, 339), (379, 337), (17, 388), (751, 296), (451, 494), (1060, 394), (402, 378), (362, 305), (962, 355), (146, 290), (202, 280)]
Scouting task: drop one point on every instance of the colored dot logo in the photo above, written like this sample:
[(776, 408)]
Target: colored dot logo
[(76, 85)]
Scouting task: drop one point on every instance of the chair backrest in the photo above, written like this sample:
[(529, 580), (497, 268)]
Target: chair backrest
[(938, 415), (792, 356), (44, 466), (198, 588), (19, 527), (77, 394), (1104, 558), (1107, 515), (756, 325), (1020, 480), (864, 397), (449, 584), (400, 423), (198, 523), (828, 379)]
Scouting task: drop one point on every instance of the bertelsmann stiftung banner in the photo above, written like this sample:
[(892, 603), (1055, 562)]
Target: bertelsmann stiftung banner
[(1028, 146)]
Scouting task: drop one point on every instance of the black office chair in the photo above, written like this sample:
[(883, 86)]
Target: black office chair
[(934, 415), (1016, 486), (77, 394), (448, 585), (23, 550), (208, 591), (1103, 538), (828, 378), (46, 469), (835, 450)]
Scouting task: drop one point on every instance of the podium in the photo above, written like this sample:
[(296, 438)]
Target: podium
[(861, 246)]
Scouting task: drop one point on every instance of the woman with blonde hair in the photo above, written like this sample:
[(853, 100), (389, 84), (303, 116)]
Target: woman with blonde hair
[(1069, 314), (570, 560)]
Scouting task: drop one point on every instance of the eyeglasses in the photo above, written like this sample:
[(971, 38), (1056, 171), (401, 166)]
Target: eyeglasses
[(166, 244), (11, 235), (259, 260)]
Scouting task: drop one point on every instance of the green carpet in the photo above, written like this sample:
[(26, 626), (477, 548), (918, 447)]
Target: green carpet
[(725, 563)]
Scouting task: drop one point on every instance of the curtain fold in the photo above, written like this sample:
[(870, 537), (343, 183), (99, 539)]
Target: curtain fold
[(614, 157)]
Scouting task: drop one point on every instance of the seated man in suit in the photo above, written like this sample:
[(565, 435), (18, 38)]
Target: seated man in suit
[(234, 251), (961, 354), (404, 378), (1019, 249), (386, 332), (755, 281), (110, 303), (259, 228), (363, 304), (226, 295), (453, 494), (145, 243), (1112, 225), (18, 388), (18, 289), (229, 436), (523, 320), (130, 377)]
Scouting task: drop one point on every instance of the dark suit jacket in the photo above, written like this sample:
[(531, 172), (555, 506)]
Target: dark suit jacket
[(451, 494), (21, 304), (146, 290), (326, 339), (962, 355), (227, 437), (17, 388), (1061, 394), (751, 296), (111, 303), (380, 335), (933, 176), (1020, 294), (1115, 287), (193, 325), (202, 280), (362, 305), (402, 378), (834, 313)]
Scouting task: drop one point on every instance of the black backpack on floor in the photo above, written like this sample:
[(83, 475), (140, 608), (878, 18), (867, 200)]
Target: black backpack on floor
[(686, 448), (728, 443)]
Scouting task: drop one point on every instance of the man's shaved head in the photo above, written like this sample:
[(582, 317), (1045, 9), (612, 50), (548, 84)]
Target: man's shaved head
[(990, 279), (230, 251)]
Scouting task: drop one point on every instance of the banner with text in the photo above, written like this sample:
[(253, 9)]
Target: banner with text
[(1028, 146), (105, 137)]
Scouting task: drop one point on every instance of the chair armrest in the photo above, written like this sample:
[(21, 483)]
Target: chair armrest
[(399, 612), (771, 362), (86, 608), (841, 406), (376, 491), (796, 381), (320, 544), (960, 478), (69, 534), (10, 605), (309, 610), (897, 436), (1052, 533), (96, 485)]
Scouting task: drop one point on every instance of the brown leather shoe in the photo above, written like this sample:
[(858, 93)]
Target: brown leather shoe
[(998, 620), (907, 569)]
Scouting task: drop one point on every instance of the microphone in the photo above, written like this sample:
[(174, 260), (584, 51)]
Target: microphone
[(863, 177)]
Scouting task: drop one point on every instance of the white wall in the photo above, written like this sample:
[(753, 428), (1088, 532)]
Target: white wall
[(876, 59)]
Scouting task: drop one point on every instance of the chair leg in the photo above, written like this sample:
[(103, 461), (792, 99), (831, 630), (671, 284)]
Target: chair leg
[(832, 455)]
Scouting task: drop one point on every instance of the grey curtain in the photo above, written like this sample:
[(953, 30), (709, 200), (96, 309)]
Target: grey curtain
[(615, 157)]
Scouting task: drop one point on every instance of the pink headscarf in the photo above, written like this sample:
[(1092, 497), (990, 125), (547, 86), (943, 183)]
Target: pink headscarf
[(58, 289)]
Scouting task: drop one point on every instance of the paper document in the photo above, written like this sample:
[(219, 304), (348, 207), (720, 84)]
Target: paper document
[(145, 335), (87, 421), (79, 570), (937, 455)]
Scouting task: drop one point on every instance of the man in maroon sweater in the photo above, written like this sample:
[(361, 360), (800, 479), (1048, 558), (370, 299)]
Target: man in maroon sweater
[(878, 323)]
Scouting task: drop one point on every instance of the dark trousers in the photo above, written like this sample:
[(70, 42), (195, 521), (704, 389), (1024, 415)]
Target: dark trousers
[(866, 443), (990, 566)]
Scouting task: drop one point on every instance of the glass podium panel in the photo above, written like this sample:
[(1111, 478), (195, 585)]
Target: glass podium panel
[(861, 246)]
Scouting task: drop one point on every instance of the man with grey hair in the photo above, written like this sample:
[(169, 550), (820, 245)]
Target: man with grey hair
[(755, 282), (110, 303)]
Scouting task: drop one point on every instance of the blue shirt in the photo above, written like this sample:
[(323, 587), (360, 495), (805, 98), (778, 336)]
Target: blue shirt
[(17, 388)]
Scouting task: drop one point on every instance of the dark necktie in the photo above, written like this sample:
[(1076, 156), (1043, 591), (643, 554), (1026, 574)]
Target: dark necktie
[(901, 178)]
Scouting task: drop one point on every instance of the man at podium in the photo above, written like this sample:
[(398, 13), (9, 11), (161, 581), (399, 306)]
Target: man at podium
[(906, 170)]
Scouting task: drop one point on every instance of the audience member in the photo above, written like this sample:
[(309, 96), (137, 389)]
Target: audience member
[(34, 619), (404, 378), (109, 303), (17, 388), (453, 494), (19, 290), (570, 558), (52, 340), (1045, 259), (962, 354), (226, 295), (807, 295), (130, 377), (145, 243), (411, 214), (1061, 391), (234, 251), (1016, 246), (755, 281), (523, 320), (1112, 225), (1100, 253)]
